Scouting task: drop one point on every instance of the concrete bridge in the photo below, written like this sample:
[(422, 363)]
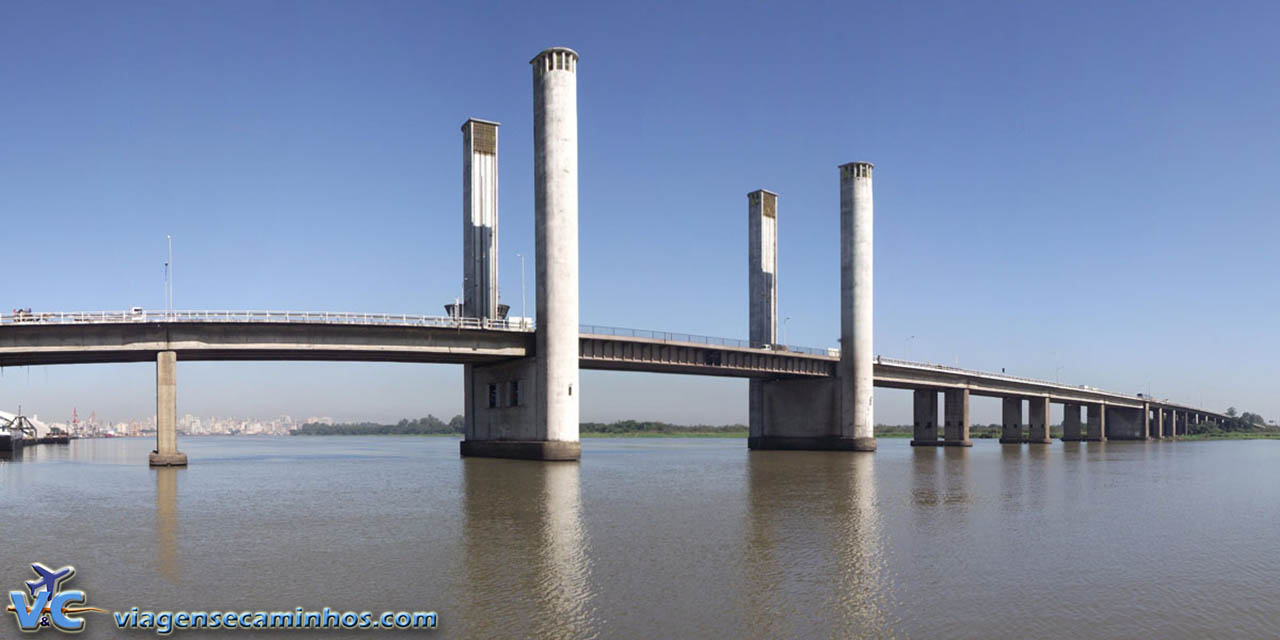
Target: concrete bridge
[(521, 382), (167, 337)]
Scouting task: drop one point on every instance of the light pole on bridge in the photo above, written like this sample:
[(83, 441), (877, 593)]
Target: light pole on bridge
[(523, 311)]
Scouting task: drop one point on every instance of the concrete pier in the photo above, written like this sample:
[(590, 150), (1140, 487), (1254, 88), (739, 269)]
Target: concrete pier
[(829, 414), (529, 408), (166, 453), (1126, 424), (1038, 420), (1096, 423), (1071, 423), (762, 291), (1011, 423), (1157, 425), (925, 433), (856, 298), (956, 412)]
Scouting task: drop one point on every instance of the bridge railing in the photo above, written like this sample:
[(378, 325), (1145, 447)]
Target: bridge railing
[(669, 336), (306, 317)]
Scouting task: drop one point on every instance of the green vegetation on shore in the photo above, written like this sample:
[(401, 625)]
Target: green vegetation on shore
[(433, 426), (1242, 427)]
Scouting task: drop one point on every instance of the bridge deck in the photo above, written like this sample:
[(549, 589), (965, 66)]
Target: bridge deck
[(70, 338)]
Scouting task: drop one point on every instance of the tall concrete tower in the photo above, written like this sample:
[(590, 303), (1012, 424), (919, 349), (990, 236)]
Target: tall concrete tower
[(762, 287), (555, 169), (857, 415), (762, 266), (480, 219)]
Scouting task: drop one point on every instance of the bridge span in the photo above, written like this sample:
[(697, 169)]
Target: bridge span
[(102, 337)]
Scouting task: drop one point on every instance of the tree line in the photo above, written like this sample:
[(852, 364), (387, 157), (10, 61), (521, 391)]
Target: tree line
[(420, 426), (433, 425)]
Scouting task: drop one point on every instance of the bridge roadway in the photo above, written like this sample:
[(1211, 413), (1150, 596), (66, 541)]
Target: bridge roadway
[(99, 337)]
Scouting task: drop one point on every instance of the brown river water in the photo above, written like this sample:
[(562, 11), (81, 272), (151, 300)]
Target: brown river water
[(663, 538)]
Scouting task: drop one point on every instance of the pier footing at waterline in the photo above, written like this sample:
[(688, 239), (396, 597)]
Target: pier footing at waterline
[(522, 449)]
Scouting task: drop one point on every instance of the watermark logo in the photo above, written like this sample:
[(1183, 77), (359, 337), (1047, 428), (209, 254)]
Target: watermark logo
[(49, 604)]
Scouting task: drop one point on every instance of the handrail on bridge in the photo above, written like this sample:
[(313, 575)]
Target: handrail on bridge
[(21, 317), (668, 336)]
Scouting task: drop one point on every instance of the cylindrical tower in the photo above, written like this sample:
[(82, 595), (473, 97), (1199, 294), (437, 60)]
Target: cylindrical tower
[(555, 168), (856, 359)]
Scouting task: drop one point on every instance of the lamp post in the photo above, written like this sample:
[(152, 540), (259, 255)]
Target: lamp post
[(523, 312), (784, 330), (906, 347)]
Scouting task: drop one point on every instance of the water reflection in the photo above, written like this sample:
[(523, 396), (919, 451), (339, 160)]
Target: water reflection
[(526, 556), (167, 523), (814, 556)]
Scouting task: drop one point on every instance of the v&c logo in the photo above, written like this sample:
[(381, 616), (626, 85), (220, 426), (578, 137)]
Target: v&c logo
[(49, 605)]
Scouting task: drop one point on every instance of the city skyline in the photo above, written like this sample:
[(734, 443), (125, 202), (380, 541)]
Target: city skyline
[(1069, 203)]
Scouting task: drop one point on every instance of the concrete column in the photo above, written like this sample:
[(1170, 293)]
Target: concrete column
[(762, 290), (957, 418), (1038, 420), (926, 418), (1173, 423), (480, 219), (1157, 428), (555, 168), (1096, 429), (166, 453), (856, 317), (1071, 423), (528, 408), (1011, 432)]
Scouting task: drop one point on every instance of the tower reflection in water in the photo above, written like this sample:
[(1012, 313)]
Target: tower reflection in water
[(814, 553), (167, 522), (526, 570)]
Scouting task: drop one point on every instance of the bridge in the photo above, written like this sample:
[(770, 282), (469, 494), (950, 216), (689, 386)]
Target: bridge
[(520, 381), (128, 336)]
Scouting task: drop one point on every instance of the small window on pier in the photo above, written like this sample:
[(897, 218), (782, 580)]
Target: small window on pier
[(515, 393), (493, 396)]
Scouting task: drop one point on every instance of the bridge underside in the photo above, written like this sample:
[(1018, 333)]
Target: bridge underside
[(101, 343)]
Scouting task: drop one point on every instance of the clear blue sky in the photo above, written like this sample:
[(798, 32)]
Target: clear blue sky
[(1084, 191)]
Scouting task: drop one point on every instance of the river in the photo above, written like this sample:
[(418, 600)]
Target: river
[(665, 538)]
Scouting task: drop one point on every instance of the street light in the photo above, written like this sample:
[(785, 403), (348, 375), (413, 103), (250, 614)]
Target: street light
[(906, 347), (523, 312), (784, 329)]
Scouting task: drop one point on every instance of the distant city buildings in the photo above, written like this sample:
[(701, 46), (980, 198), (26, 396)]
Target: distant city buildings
[(190, 425)]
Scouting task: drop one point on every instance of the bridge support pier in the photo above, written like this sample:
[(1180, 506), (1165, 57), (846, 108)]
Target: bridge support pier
[(1096, 428), (529, 408), (802, 415), (957, 418), (1038, 420), (1071, 423), (166, 453), (925, 432), (1157, 426), (504, 418), (1011, 424), (1124, 423)]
